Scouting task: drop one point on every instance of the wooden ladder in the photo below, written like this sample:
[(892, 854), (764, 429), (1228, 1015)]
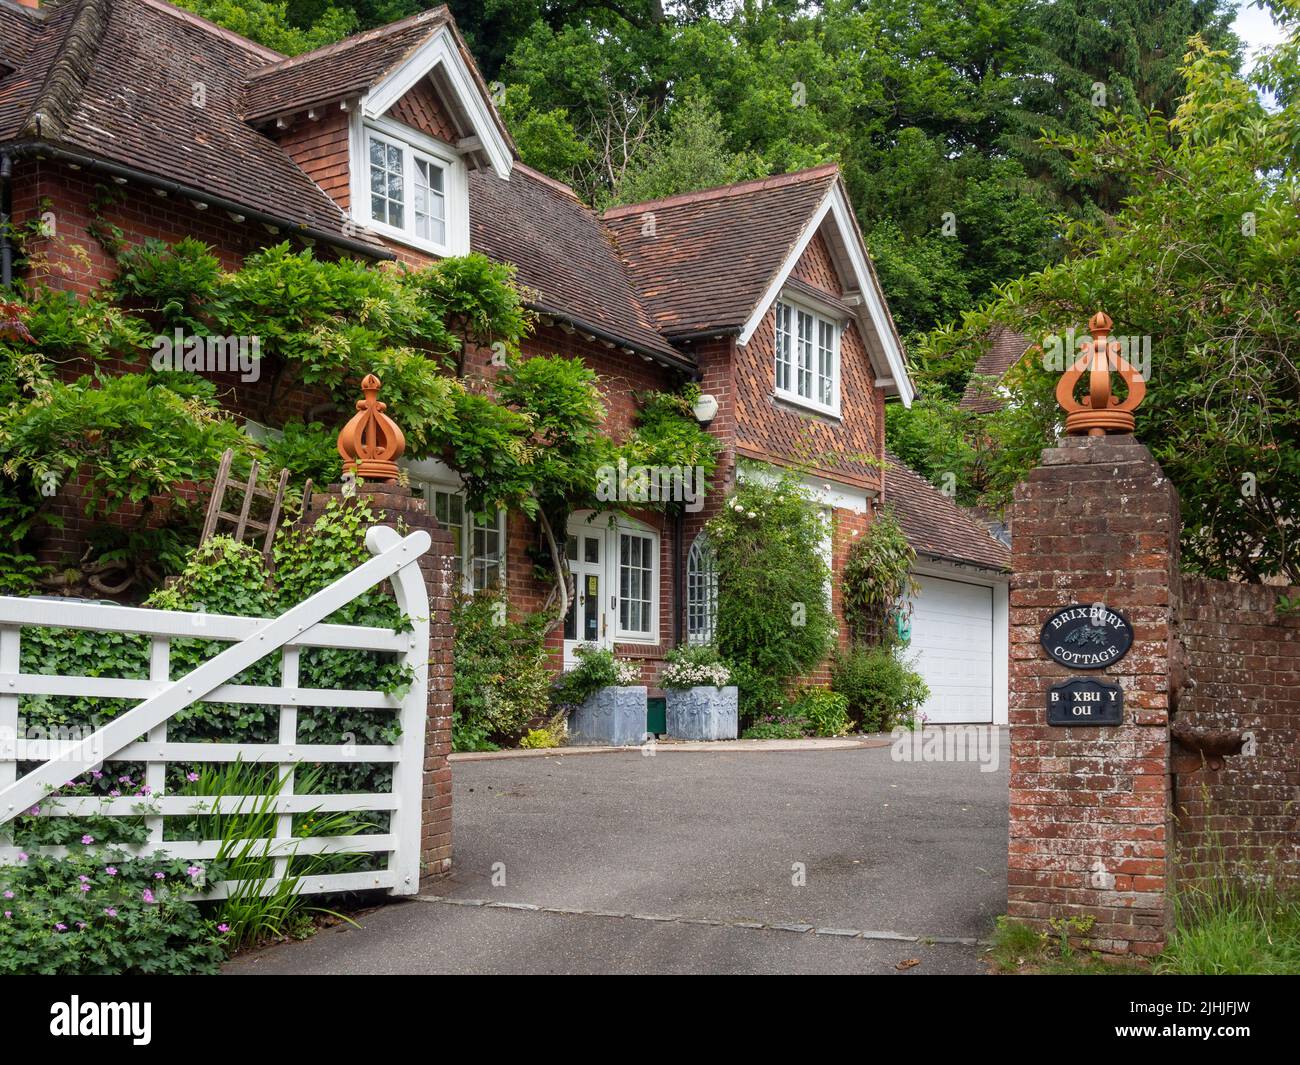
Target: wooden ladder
[(242, 521)]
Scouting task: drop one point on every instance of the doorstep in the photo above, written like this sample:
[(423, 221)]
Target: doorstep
[(815, 743)]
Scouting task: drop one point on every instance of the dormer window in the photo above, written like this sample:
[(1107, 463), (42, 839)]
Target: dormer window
[(807, 357), (413, 189)]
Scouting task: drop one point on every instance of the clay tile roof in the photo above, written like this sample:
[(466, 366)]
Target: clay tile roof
[(345, 68), (25, 38), (113, 81), (1005, 350), (714, 253), (563, 254), (935, 526)]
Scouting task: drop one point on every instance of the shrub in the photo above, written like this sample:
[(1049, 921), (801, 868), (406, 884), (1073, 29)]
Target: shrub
[(694, 666), (774, 621), (99, 912), (882, 692), (877, 576), (539, 739), (501, 682), (826, 712), (596, 668), (782, 725)]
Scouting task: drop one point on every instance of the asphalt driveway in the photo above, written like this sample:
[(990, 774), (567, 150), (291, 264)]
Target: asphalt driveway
[(717, 861)]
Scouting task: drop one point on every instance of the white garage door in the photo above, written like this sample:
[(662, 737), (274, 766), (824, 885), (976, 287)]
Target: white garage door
[(952, 648)]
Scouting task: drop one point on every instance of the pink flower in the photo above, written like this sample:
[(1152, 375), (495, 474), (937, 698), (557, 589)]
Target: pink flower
[(22, 856), (87, 840), (223, 928), (96, 774), (147, 895), (124, 780), (81, 925), (160, 876), (85, 888), (9, 913), (34, 810), (9, 894), (115, 794), (111, 911), (146, 790), (60, 927), (84, 879), (193, 870), (191, 777), (111, 870)]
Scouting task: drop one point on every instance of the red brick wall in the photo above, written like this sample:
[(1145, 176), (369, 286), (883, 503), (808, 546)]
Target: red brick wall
[(1241, 672), (1090, 818)]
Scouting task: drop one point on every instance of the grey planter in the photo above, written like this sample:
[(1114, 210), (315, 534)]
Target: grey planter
[(612, 717), (706, 713)]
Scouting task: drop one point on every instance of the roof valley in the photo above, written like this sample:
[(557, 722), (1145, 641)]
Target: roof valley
[(54, 102)]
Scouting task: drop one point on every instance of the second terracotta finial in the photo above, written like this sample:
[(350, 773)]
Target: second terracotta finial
[(1100, 412), (371, 443)]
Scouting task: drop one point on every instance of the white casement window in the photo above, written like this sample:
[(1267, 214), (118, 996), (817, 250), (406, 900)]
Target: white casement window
[(637, 561), (701, 592), (410, 188), (480, 539), (807, 357)]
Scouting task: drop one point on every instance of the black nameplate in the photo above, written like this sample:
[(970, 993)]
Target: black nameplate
[(1085, 702), (1087, 637)]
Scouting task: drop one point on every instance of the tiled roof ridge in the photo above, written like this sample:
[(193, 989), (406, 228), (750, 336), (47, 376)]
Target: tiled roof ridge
[(289, 62), (550, 182), (739, 188), (185, 15), (67, 75)]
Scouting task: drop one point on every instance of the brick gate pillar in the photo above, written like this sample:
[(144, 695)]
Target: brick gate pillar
[(1091, 822), (370, 445)]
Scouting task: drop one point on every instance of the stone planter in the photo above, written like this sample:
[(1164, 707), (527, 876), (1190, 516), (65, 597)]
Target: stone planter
[(612, 717), (705, 713)]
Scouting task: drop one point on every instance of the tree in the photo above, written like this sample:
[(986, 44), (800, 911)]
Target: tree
[(690, 153), (1200, 267)]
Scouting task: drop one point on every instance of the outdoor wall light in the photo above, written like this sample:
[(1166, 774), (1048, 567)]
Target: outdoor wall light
[(705, 409)]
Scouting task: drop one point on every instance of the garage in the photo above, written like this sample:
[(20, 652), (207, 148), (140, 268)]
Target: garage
[(952, 648), (958, 635)]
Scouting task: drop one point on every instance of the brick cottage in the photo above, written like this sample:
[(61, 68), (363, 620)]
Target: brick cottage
[(387, 146)]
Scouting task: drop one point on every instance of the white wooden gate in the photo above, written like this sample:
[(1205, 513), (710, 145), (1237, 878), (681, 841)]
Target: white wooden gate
[(140, 734)]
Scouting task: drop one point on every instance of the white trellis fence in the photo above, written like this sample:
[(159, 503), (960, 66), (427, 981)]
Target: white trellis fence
[(140, 734)]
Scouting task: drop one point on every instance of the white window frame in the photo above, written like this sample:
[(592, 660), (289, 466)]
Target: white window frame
[(469, 519), (701, 592), (413, 145), (787, 371), (627, 527)]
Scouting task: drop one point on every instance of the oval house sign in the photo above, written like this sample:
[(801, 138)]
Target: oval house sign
[(1087, 637)]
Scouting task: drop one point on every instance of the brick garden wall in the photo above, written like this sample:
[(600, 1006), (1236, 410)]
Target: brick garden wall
[(1241, 671)]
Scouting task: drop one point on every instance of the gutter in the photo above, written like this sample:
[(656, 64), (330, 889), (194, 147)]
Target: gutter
[(601, 334), (6, 210), (42, 150)]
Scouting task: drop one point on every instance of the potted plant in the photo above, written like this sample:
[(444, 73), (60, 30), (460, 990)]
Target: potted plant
[(606, 698), (702, 703)]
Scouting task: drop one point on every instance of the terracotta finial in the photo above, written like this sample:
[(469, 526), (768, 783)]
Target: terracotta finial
[(1100, 412), (371, 443)]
